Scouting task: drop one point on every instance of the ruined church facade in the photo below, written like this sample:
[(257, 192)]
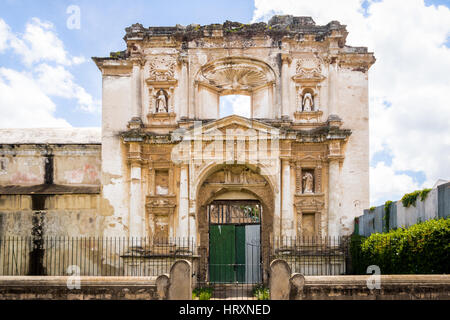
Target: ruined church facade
[(167, 164), (303, 153)]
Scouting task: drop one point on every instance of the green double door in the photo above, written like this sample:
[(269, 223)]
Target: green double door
[(234, 254)]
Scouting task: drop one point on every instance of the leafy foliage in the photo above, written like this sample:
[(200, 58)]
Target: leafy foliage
[(261, 293), (410, 198), (387, 214), (423, 248), (203, 293)]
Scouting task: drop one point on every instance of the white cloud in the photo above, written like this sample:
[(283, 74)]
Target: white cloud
[(392, 185), (235, 104), (28, 93), (23, 104), (4, 35), (411, 74), (57, 81), (41, 43)]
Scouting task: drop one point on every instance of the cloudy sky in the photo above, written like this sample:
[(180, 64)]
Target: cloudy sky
[(47, 78)]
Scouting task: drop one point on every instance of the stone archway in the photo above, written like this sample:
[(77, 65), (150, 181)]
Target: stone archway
[(234, 182)]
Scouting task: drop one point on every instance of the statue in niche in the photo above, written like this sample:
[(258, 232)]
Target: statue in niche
[(161, 102), (245, 174), (308, 102), (227, 175), (308, 182)]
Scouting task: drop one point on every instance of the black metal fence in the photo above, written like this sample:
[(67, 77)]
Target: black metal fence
[(232, 271), (314, 255), (91, 256)]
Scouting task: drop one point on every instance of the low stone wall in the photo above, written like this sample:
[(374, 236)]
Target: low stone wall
[(91, 288), (285, 285), (177, 285), (392, 287)]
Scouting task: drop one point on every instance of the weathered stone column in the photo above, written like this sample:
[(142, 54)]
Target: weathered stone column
[(136, 210), (286, 60), (183, 210), (184, 86), (136, 90), (333, 198), (287, 212), (332, 89)]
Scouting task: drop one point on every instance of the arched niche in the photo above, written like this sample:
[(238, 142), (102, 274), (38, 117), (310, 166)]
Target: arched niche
[(237, 76)]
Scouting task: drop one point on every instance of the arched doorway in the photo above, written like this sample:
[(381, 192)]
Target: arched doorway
[(235, 208), (235, 241)]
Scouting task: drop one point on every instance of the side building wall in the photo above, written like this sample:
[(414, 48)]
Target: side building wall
[(53, 189)]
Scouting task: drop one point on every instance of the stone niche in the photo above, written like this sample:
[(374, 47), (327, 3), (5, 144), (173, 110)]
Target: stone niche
[(161, 85), (308, 80)]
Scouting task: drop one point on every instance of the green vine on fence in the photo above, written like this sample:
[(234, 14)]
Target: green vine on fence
[(372, 209), (411, 198), (387, 213)]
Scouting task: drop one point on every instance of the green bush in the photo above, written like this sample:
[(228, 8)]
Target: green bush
[(423, 248), (261, 293), (203, 293), (411, 198)]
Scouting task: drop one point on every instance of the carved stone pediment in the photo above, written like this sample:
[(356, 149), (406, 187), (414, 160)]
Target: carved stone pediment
[(314, 202), (308, 117), (161, 205), (161, 119), (234, 125)]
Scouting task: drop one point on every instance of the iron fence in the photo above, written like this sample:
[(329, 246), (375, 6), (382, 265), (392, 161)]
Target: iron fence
[(314, 255), (91, 256)]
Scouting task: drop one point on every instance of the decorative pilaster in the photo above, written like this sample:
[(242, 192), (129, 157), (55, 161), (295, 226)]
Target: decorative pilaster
[(287, 212), (184, 87), (332, 87), (286, 60), (318, 179), (298, 178), (183, 210), (136, 212), (333, 198)]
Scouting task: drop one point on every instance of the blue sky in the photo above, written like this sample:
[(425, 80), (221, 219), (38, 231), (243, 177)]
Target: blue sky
[(409, 85), (102, 30)]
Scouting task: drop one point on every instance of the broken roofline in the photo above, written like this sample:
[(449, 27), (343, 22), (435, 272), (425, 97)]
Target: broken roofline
[(278, 28)]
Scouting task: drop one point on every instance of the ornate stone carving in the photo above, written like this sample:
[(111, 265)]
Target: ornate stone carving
[(162, 68), (309, 68), (235, 74)]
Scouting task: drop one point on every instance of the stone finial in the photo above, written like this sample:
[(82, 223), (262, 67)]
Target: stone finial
[(180, 287), (297, 284), (280, 285), (162, 286)]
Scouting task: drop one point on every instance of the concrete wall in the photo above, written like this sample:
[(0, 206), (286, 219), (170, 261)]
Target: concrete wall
[(436, 205)]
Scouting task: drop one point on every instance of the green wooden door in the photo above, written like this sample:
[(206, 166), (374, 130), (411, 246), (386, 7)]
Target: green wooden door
[(222, 253), (240, 254)]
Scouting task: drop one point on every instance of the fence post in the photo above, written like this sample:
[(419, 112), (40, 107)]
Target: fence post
[(280, 285), (180, 281)]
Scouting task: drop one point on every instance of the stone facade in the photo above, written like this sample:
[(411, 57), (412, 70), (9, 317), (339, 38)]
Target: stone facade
[(165, 154)]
